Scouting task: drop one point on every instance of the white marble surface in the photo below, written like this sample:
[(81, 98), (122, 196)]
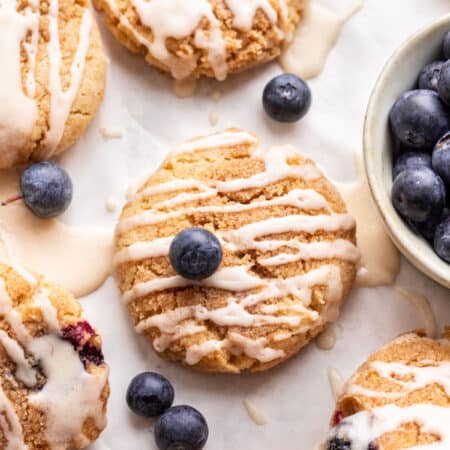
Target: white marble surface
[(295, 397)]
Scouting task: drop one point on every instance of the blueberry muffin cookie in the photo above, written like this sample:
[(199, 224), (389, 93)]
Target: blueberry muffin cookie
[(53, 380), (288, 249), (398, 399), (203, 37), (52, 79)]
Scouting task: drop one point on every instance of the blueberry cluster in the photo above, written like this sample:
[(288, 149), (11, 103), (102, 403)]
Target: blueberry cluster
[(420, 123), (177, 427)]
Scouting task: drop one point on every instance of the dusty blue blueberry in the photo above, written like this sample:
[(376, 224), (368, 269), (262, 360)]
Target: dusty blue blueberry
[(286, 98), (149, 394), (419, 195), (444, 83), (441, 159), (195, 253), (442, 239), (411, 160), (429, 75), (46, 189), (446, 45), (419, 118), (181, 428)]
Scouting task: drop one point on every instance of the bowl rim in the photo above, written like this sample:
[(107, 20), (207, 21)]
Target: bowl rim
[(377, 188)]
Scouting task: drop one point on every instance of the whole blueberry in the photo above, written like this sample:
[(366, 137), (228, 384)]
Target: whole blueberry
[(149, 394), (419, 118), (46, 189), (181, 428), (339, 444), (195, 253), (446, 46), (444, 83), (419, 195), (441, 159), (286, 98), (429, 75), (411, 160), (442, 239)]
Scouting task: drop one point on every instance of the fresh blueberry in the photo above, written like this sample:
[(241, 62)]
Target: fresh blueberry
[(339, 444), (46, 189), (195, 253), (419, 118), (286, 98), (149, 394), (411, 160), (429, 75), (419, 195), (444, 83), (181, 428), (442, 239), (441, 159), (446, 46)]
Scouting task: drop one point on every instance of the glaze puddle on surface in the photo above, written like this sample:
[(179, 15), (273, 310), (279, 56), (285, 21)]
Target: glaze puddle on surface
[(327, 339), (184, 88), (313, 40), (380, 259), (78, 258), (254, 413), (336, 381)]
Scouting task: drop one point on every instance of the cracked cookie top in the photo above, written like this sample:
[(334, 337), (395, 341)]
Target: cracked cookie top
[(52, 79), (51, 363), (203, 37), (288, 245)]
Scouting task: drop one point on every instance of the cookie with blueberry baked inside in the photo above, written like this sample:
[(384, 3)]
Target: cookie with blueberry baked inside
[(203, 37), (398, 399), (233, 256), (51, 362)]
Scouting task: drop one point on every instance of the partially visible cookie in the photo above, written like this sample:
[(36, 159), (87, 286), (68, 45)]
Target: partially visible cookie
[(53, 379), (288, 246), (398, 399), (52, 80), (203, 37)]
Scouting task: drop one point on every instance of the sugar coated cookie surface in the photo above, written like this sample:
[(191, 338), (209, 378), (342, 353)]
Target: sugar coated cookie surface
[(203, 37), (52, 79), (288, 254), (398, 399), (53, 380)]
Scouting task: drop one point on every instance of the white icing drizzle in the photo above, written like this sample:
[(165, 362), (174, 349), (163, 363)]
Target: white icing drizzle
[(20, 111), (247, 290), (178, 19), (67, 382)]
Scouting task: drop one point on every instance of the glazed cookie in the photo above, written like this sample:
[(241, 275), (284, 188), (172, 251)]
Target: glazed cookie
[(288, 254), (52, 79), (203, 37), (398, 399), (53, 380)]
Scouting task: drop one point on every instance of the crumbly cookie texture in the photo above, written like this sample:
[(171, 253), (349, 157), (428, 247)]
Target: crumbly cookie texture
[(288, 244), (51, 363), (53, 78), (203, 37), (399, 398)]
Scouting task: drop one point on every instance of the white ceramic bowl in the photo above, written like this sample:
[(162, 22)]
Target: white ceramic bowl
[(400, 74)]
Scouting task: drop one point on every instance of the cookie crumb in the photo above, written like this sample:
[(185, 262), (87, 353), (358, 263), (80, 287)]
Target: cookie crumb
[(254, 413)]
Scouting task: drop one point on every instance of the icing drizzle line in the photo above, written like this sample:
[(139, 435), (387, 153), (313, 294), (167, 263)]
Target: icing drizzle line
[(246, 289)]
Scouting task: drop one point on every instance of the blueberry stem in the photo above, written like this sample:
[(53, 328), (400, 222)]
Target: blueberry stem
[(12, 200)]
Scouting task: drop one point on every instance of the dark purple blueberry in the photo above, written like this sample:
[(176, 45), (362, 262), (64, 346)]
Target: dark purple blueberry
[(286, 98), (418, 195), (46, 189), (181, 428), (149, 394), (195, 253), (419, 118), (442, 239), (91, 354), (446, 45), (429, 76), (425, 229), (444, 83), (411, 160), (339, 444), (441, 159)]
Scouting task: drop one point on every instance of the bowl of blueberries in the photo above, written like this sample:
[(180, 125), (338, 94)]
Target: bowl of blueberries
[(407, 149)]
